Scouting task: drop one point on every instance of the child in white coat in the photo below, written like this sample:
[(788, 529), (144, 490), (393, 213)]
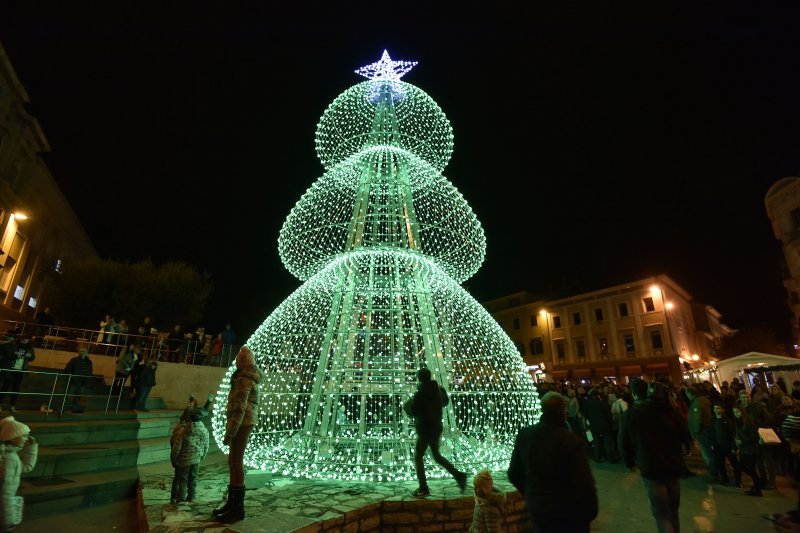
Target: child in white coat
[(19, 454)]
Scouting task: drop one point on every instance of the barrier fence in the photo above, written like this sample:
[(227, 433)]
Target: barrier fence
[(188, 350)]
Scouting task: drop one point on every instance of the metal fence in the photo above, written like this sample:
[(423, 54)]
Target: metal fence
[(157, 345)]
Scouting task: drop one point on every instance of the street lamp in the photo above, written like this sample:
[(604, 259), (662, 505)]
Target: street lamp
[(544, 314)]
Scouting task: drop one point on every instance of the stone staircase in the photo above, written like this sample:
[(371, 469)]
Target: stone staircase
[(90, 458)]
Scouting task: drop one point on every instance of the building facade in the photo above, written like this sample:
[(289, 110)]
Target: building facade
[(644, 328), (783, 208), (39, 231)]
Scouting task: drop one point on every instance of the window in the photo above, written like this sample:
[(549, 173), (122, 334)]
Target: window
[(623, 309), (656, 341), (19, 292), (534, 321), (598, 314), (576, 319), (58, 266), (603, 344), (537, 347), (516, 323), (580, 348), (556, 321), (561, 350), (521, 348), (629, 346), (649, 306)]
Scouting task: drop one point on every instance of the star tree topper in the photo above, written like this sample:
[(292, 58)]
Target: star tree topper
[(386, 69)]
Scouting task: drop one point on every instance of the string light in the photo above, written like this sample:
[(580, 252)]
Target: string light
[(381, 241)]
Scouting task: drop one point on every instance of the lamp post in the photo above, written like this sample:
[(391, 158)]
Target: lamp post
[(545, 315)]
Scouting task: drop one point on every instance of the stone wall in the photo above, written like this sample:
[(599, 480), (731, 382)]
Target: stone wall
[(420, 516)]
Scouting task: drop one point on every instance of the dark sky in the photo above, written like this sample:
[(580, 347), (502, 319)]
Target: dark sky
[(596, 147)]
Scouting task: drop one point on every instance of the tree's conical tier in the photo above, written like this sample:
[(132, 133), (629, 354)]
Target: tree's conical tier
[(332, 397), (382, 240)]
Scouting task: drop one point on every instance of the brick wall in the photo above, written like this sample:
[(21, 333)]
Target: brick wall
[(420, 516)]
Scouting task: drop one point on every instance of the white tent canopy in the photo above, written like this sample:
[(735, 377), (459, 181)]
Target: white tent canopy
[(734, 367)]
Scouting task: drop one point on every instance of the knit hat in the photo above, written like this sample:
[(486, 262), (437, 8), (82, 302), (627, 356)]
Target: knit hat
[(791, 427), (483, 481), (245, 358), (10, 429)]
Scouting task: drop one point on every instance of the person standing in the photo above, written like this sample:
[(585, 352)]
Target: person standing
[(700, 429), (145, 381), (550, 468), (14, 364), (242, 414), (426, 408), (79, 368), (723, 445), (652, 435), (487, 515), (187, 451), (228, 340), (747, 444), (125, 364), (598, 413), (19, 454)]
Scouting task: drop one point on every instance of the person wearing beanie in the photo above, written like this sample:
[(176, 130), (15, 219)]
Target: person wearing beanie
[(19, 453), (487, 517), (242, 414), (190, 444), (550, 468)]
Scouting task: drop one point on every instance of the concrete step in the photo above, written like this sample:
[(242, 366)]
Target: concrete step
[(54, 495), (68, 432), (59, 461)]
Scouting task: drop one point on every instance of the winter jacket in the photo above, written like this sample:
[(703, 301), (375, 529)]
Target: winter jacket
[(191, 446), (14, 461), (147, 375), (699, 416), (652, 435), (598, 413), (24, 354), (723, 432), (747, 435), (549, 466), (126, 361), (242, 404), (79, 367), (487, 517), (426, 408)]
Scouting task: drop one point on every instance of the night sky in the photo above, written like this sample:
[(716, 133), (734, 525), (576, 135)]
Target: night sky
[(595, 147)]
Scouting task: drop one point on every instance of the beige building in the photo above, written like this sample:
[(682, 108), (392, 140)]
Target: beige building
[(644, 328), (783, 208), (39, 232)]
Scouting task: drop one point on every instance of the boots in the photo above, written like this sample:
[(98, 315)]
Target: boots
[(227, 505), (236, 511)]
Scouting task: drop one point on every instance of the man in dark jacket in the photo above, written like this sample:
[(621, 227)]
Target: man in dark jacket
[(699, 421), (722, 443), (598, 413), (79, 368), (426, 408), (652, 436), (550, 468)]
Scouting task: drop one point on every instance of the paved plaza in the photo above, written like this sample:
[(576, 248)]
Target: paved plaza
[(292, 505)]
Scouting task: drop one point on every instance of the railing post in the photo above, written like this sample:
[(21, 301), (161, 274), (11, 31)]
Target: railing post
[(66, 391)]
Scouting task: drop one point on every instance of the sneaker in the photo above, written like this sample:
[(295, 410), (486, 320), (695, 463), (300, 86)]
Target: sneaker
[(421, 492), (461, 479)]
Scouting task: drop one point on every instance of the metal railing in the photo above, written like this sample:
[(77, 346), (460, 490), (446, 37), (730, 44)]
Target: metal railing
[(61, 389), (188, 350)]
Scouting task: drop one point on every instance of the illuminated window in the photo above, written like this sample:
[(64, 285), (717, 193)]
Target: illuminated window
[(18, 292), (649, 306), (32, 302), (58, 266), (603, 344)]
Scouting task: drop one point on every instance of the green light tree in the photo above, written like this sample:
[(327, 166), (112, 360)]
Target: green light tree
[(382, 241)]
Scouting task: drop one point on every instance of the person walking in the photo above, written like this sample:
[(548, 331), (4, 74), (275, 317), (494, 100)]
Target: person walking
[(125, 364), (426, 408), (598, 413), (18, 456), (550, 468), (79, 368), (242, 414), (652, 435)]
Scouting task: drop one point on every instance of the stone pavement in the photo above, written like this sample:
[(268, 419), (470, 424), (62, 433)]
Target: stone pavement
[(292, 505)]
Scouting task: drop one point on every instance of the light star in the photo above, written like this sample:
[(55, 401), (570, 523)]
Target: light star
[(386, 69)]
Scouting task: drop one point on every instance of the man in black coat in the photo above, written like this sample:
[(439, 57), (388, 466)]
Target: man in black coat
[(597, 412), (79, 368), (426, 408), (549, 467), (652, 435)]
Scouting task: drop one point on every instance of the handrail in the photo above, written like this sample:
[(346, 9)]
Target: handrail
[(188, 350), (52, 395)]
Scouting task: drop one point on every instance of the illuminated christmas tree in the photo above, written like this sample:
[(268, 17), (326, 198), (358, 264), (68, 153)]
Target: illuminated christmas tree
[(382, 241)]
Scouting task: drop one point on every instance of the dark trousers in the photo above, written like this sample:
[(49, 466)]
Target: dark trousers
[(719, 457), (603, 446), (10, 381), (140, 400), (425, 441), (748, 466), (184, 483), (665, 498), (767, 463), (75, 390), (236, 457)]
